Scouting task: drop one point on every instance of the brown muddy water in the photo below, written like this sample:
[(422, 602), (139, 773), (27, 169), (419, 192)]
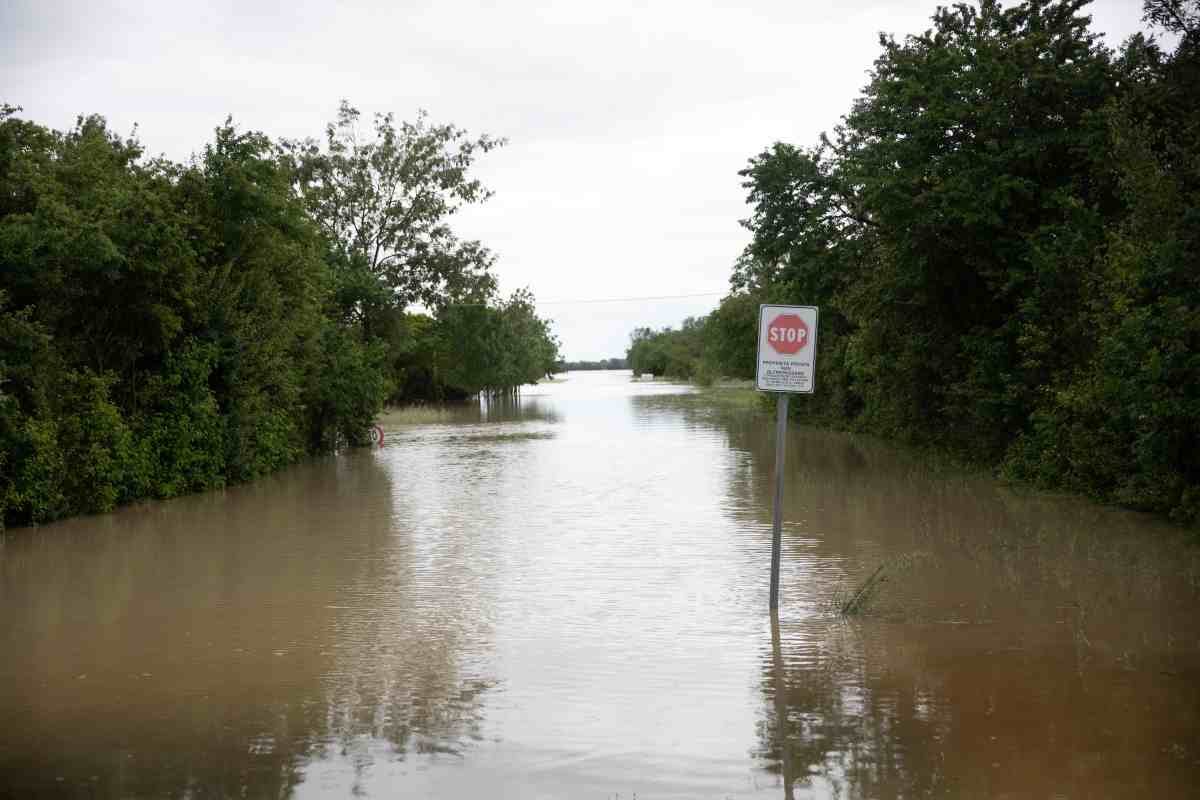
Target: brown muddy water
[(567, 598)]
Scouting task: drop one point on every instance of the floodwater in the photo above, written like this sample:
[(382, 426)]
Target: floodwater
[(566, 597)]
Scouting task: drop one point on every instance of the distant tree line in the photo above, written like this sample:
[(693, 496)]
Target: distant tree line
[(168, 328), (584, 366), (1003, 235), (702, 348), (670, 353)]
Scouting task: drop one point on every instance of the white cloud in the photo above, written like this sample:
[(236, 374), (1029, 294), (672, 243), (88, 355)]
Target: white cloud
[(628, 121)]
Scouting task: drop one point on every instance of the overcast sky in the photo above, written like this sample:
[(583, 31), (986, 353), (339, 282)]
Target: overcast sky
[(627, 121)]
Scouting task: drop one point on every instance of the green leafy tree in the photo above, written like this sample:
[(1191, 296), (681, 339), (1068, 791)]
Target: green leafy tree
[(386, 201), (926, 225), (1003, 216), (731, 337), (165, 328), (1124, 424), (668, 352), (495, 349)]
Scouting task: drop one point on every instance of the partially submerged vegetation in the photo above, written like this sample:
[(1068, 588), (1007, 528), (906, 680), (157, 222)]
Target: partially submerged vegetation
[(861, 600), (1002, 237), (416, 415), (168, 328), (733, 394)]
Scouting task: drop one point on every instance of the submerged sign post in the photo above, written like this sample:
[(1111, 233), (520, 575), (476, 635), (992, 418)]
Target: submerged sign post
[(787, 364)]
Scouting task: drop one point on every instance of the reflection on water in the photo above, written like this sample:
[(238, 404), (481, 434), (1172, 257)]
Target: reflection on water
[(565, 596)]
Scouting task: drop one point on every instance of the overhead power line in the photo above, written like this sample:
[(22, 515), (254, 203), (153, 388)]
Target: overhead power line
[(628, 299), (587, 301)]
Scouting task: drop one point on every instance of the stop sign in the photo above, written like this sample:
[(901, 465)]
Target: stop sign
[(787, 334)]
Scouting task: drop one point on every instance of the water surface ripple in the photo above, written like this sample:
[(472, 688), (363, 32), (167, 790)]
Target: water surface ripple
[(565, 596)]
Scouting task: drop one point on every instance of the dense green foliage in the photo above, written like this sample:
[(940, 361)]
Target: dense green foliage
[(720, 343), (668, 352), (1002, 236), (496, 348), (384, 202), (171, 328)]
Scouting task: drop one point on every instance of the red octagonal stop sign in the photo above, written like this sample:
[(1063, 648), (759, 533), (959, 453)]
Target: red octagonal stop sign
[(787, 334)]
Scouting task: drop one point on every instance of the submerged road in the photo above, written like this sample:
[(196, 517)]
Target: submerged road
[(566, 597)]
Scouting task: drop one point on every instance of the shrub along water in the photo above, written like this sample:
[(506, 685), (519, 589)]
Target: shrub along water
[(169, 328), (1002, 235)]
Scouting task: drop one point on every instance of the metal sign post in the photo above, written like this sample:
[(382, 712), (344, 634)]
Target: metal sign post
[(781, 413), (787, 347)]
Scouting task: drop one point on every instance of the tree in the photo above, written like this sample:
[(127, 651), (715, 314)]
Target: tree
[(163, 328), (947, 226), (1006, 213), (495, 349), (1124, 424), (386, 202), (731, 336), (1181, 17), (669, 352)]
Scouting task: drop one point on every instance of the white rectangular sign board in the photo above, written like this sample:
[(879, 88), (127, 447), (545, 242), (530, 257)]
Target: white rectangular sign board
[(787, 348)]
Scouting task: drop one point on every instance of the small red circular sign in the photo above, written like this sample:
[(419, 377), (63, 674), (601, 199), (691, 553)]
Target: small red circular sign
[(787, 334)]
